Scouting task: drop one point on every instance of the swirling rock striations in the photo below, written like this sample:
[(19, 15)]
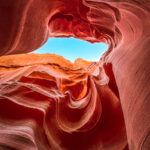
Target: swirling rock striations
[(46, 102), (63, 106)]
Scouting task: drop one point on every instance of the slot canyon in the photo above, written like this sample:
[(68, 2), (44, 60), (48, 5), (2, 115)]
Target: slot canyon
[(50, 103)]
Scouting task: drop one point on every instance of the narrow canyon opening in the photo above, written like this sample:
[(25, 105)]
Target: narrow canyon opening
[(72, 49), (50, 99)]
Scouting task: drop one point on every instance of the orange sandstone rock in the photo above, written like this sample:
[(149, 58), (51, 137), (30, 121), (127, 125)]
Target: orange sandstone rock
[(48, 103), (67, 106)]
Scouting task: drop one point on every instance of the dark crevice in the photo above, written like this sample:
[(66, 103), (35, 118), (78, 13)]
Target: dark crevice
[(112, 82)]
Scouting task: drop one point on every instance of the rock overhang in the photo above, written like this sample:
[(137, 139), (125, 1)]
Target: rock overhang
[(120, 84)]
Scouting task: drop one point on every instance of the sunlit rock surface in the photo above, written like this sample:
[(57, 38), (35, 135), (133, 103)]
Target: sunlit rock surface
[(64, 105), (46, 102)]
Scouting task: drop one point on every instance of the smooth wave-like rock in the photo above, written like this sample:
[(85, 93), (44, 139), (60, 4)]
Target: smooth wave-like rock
[(71, 107), (46, 102)]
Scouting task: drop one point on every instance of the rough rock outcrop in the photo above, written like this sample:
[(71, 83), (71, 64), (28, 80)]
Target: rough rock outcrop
[(46, 102)]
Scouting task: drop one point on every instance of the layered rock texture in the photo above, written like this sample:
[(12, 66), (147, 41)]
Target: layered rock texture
[(49, 103)]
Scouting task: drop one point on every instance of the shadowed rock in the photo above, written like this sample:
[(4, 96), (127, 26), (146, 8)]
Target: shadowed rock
[(53, 104)]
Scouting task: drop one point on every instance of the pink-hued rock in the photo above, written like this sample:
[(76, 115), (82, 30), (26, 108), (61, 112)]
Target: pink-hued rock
[(64, 105), (46, 102)]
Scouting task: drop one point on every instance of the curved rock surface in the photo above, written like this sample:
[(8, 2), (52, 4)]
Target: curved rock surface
[(46, 102), (64, 105)]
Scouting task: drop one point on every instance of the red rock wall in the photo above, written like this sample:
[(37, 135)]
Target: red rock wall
[(48, 102), (71, 107)]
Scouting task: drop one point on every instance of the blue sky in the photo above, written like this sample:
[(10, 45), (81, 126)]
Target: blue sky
[(71, 49)]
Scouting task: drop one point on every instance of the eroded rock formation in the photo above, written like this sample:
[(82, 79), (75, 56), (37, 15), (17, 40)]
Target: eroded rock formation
[(46, 102)]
